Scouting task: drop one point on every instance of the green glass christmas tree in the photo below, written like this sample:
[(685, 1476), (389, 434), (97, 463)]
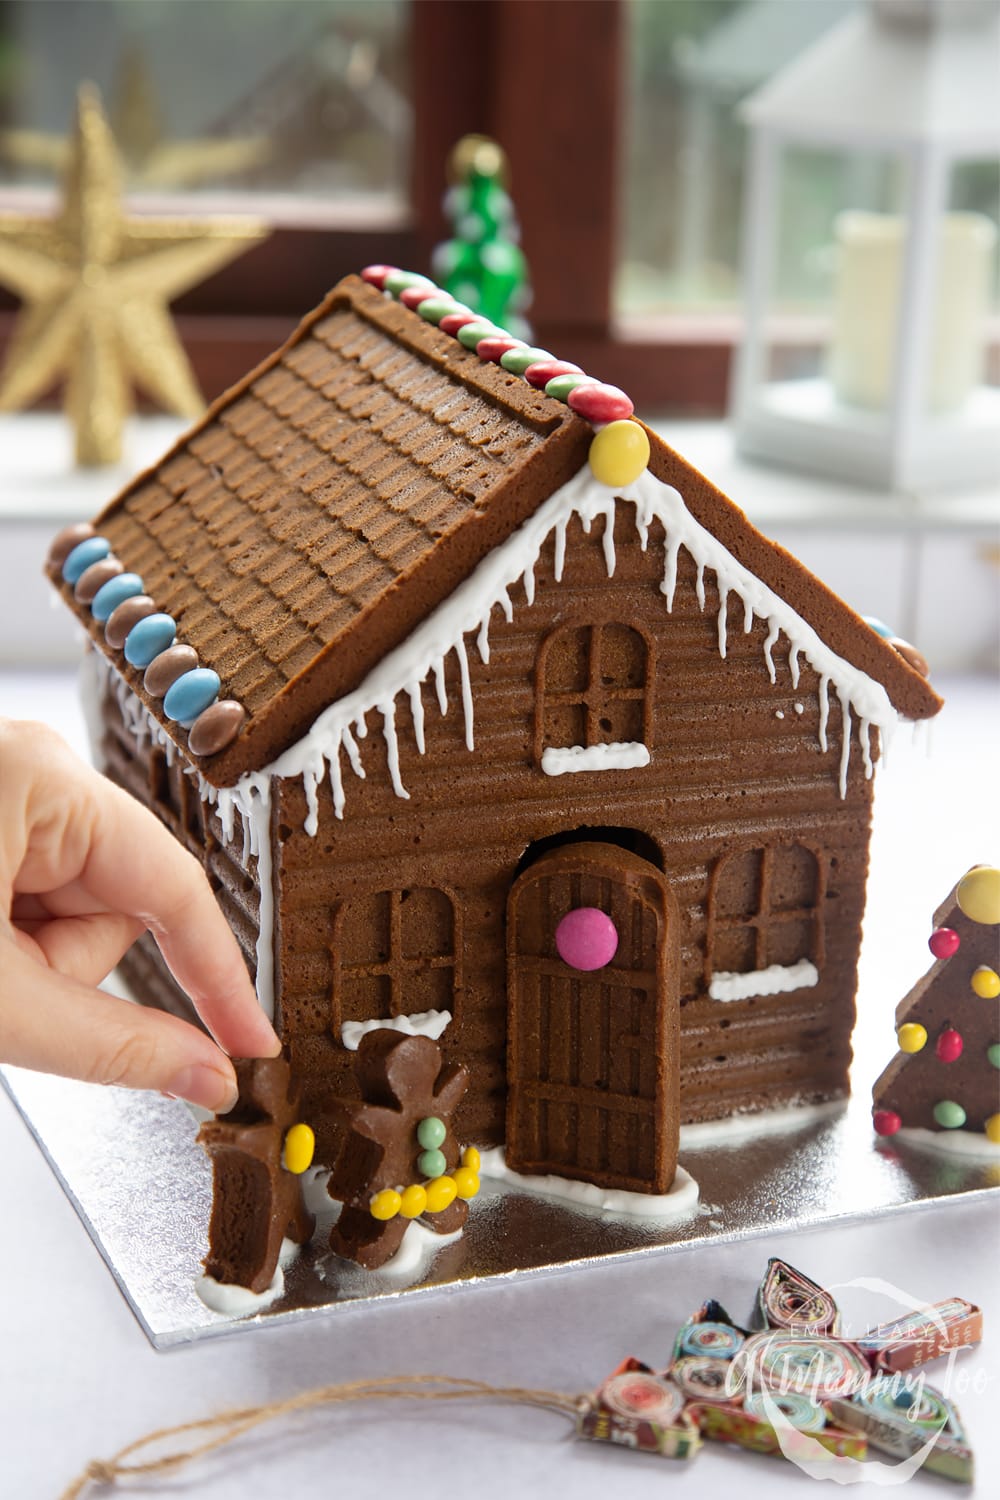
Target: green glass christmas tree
[(483, 266)]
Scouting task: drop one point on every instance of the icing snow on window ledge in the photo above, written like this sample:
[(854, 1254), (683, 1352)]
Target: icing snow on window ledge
[(619, 756), (779, 979), (424, 1023)]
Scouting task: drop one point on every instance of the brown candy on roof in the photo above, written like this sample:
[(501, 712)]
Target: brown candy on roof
[(164, 670), (128, 613)]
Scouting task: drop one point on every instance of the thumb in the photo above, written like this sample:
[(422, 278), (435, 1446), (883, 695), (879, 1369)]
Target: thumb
[(55, 1024)]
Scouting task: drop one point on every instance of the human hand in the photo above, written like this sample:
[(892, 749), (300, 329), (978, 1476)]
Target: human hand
[(84, 869)]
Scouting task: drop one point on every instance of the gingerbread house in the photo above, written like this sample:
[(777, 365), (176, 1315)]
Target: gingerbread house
[(568, 766)]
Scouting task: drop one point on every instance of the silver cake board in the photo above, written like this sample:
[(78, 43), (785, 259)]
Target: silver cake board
[(141, 1184)]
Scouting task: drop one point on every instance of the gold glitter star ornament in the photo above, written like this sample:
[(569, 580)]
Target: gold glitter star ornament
[(96, 284)]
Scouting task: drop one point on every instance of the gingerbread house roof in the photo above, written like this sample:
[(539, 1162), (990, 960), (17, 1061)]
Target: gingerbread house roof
[(329, 503)]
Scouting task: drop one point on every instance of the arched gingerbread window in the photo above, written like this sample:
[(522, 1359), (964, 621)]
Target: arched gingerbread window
[(592, 690), (395, 953), (765, 924)]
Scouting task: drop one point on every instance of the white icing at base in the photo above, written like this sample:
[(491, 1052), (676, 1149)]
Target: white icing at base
[(91, 682), (430, 1023), (416, 1250), (778, 979), (237, 1301), (746, 1126), (969, 1143), (681, 1200), (619, 756)]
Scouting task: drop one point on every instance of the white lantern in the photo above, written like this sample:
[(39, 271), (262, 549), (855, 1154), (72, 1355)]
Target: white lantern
[(890, 111)]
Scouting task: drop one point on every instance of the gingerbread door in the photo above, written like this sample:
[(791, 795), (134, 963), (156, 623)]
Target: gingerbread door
[(593, 1019)]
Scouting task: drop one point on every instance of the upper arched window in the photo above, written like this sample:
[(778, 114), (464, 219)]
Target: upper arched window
[(592, 690)]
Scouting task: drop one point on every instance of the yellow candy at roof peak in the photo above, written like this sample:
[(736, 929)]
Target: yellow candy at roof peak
[(619, 453), (300, 1144), (985, 983), (912, 1037), (979, 895)]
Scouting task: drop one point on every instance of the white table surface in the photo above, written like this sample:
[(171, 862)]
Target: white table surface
[(78, 1379)]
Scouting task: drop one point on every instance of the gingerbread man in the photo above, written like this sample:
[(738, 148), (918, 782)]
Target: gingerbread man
[(400, 1160)]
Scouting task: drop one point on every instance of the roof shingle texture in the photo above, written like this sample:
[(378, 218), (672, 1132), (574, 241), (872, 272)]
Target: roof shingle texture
[(351, 481)]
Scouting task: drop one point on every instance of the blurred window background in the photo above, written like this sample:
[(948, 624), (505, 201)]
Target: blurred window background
[(301, 107), (689, 64)]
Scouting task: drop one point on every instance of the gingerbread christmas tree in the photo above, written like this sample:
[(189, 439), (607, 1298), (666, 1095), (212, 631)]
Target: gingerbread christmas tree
[(946, 1074)]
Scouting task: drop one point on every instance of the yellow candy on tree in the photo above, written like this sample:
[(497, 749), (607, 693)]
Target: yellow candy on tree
[(300, 1143), (386, 1204), (466, 1182), (912, 1037), (471, 1158), (992, 1128), (413, 1201), (440, 1194), (986, 983), (979, 895), (619, 453)]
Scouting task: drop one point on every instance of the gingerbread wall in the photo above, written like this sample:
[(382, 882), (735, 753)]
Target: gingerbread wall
[(734, 767)]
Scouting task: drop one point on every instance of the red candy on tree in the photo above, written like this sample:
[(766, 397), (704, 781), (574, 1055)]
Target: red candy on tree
[(375, 275), (539, 375), (452, 322), (492, 348), (886, 1121), (412, 296), (949, 1045), (600, 403), (944, 942)]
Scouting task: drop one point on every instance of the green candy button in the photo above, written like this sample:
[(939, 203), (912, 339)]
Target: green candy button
[(519, 360), (431, 1164), (949, 1114), (431, 1133), (398, 281), (993, 1053), (561, 385), (473, 332)]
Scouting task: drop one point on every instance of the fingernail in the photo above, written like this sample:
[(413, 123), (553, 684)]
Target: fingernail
[(205, 1086)]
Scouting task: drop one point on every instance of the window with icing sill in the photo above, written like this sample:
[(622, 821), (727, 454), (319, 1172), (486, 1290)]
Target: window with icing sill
[(592, 699), (396, 959), (765, 933)]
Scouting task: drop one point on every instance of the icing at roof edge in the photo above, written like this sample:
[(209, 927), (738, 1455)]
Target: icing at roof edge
[(777, 570)]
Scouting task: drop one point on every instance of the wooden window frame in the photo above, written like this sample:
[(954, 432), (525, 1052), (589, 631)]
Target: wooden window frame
[(476, 65)]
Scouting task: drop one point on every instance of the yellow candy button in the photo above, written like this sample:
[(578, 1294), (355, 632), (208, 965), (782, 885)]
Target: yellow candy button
[(466, 1182), (413, 1201), (300, 1144), (619, 453), (979, 895), (440, 1194), (912, 1037), (992, 1129), (471, 1158), (986, 983), (386, 1204)]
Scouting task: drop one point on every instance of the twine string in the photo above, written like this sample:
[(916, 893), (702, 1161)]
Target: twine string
[(230, 1425)]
